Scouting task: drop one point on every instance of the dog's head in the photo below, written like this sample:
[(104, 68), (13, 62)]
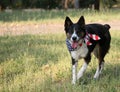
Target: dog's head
[(75, 32)]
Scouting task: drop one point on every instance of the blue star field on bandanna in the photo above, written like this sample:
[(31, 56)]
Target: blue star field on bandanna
[(69, 45)]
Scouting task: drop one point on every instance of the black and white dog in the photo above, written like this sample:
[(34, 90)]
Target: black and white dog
[(82, 40)]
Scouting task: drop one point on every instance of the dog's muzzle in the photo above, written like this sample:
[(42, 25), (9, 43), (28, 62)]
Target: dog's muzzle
[(74, 42)]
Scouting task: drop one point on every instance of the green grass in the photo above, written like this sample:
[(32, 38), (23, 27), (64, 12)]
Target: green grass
[(58, 16), (41, 63)]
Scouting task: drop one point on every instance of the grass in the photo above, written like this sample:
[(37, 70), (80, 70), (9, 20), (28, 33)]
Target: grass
[(56, 16), (41, 63)]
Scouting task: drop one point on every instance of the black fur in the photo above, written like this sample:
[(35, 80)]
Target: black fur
[(101, 30), (102, 46)]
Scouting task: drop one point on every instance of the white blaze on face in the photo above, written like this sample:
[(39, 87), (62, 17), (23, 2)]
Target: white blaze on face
[(74, 35), (74, 43)]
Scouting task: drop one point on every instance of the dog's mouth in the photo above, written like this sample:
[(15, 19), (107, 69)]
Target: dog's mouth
[(74, 44)]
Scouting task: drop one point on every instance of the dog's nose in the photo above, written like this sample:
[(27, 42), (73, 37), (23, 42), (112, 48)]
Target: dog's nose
[(74, 38)]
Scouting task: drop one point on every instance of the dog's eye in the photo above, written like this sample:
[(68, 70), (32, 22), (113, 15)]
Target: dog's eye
[(71, 30), (79, 33)]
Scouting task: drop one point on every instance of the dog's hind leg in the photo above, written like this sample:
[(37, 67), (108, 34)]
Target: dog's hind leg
[(100, 53), (99, 69)]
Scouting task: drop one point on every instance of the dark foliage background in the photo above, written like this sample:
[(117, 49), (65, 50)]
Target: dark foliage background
[(51, 4)]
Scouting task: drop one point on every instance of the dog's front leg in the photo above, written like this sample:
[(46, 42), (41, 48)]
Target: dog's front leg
[(87, 59), (82, 70), (74, 71)]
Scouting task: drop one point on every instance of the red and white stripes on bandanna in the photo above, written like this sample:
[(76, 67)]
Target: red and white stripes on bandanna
[(92, 36)]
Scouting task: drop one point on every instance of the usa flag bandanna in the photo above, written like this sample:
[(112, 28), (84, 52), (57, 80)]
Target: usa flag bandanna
[(86, 38), (92, 36), (69, 45)]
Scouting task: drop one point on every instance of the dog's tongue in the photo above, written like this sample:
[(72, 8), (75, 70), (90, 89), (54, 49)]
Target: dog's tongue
[(74, 45)]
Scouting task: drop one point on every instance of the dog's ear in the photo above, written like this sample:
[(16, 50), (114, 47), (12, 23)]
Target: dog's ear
[(68, 23), (81, 21)]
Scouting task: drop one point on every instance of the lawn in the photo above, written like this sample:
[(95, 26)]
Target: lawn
[(41, 62), (58, 16)]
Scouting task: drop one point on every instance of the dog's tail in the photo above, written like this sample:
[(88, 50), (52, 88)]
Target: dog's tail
[(107, 26), (108, 37)]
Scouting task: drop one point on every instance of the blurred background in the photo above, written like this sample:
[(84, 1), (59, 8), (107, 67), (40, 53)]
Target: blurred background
[(59, 4), (33, 53)]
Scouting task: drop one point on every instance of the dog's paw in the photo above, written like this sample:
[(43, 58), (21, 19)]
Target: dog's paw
[(73, 82), (96, 76)]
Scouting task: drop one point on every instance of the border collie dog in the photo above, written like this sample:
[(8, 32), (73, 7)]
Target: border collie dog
[(82, 40)]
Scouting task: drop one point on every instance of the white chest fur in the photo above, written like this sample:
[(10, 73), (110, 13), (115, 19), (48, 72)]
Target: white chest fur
[(81, 52)]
